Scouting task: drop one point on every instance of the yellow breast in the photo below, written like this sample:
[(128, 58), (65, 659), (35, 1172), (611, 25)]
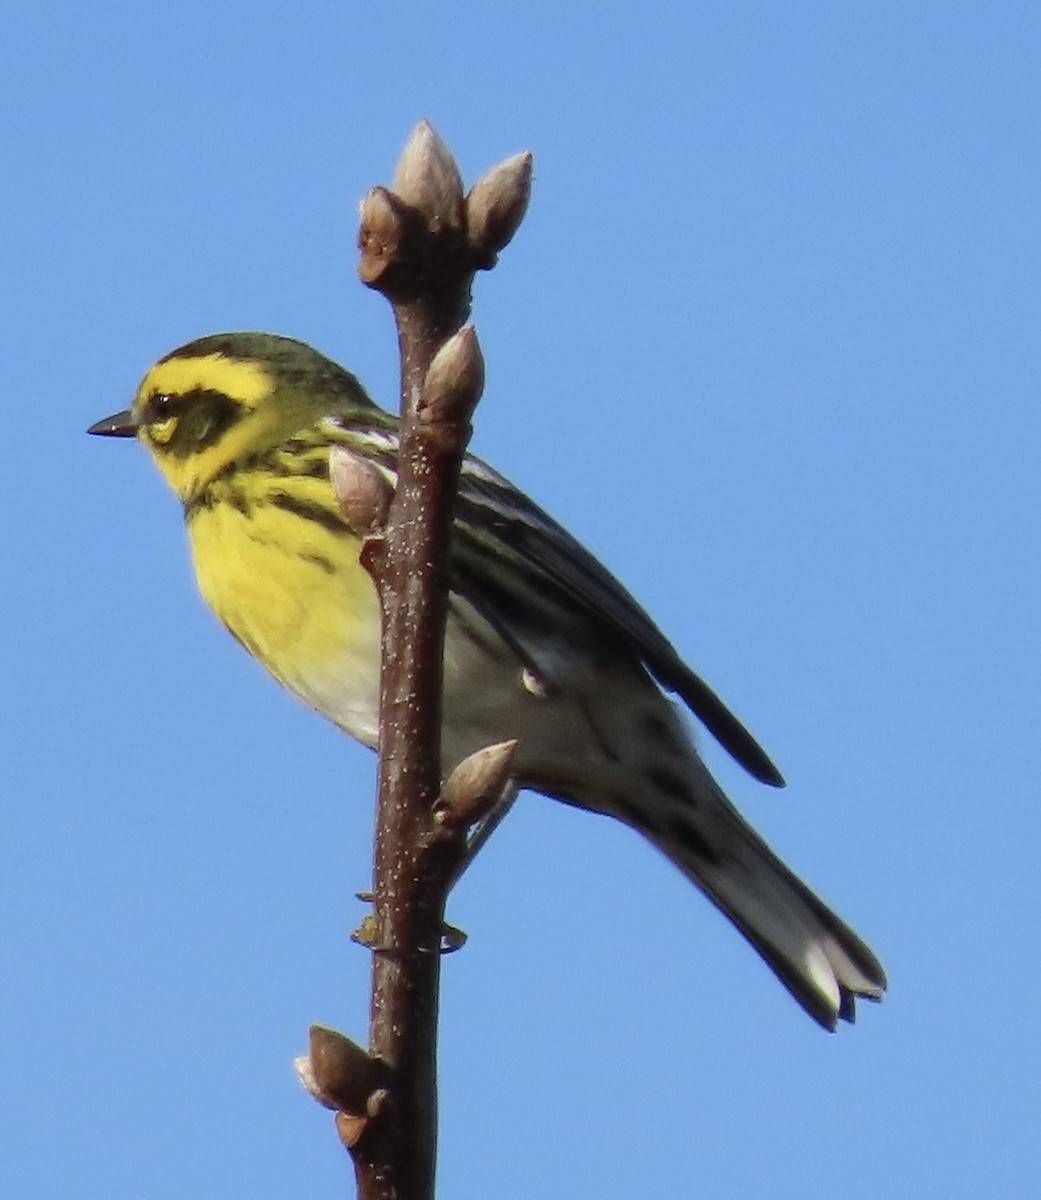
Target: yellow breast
[(292, 591)]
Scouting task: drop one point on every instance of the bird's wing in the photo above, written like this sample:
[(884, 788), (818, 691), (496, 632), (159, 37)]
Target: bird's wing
[(505, 546)]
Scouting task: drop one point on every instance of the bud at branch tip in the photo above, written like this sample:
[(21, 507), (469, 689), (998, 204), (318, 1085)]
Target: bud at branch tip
[(497, 204), (428, 179)]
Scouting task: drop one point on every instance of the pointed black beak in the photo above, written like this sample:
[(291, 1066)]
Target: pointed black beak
[(121, 424)]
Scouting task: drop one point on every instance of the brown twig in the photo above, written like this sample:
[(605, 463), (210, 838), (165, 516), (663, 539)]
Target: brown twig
[(421, 243)]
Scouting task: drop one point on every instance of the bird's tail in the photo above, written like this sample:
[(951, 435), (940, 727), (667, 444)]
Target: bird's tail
[(817, 957)]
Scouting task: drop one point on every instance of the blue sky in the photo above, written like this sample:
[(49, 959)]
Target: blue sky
[(768, 342)]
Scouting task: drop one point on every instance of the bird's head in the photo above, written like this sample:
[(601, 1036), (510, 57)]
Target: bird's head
[(223, 399)]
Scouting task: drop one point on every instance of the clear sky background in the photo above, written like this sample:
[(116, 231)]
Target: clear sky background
[(768, 342)]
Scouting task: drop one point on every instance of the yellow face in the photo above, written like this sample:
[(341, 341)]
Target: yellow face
[(196, 414), (224, 398), (190, 402)]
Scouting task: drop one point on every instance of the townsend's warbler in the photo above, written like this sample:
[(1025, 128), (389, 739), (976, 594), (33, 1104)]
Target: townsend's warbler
[(542, 643)]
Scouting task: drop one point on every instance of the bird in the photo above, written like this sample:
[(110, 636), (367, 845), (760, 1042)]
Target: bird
[(542, 643)]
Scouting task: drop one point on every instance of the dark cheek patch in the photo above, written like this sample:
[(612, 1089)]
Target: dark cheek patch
[(205, 416)]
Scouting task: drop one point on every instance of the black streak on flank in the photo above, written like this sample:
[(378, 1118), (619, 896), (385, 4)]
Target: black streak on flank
[(602, 744), (657, 730), (210, 497), (238, 501), (314, 468), (308, 510), (627, 811), (295, 464), (320, 561), (685, 836), (674, 786)]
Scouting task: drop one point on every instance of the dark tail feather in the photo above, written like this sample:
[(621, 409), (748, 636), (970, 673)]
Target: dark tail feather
[(814, 953)]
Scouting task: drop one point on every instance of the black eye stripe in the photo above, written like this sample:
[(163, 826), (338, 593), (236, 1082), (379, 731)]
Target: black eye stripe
[(164, 405), (199, 417)]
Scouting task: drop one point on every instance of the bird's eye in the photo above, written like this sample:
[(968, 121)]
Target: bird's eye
[(161, 407), (161, 416)]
